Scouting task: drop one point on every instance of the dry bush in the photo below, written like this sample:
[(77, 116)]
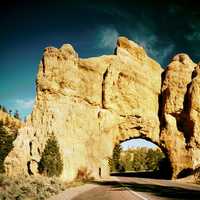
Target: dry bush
[(84, 175), (29, 188)]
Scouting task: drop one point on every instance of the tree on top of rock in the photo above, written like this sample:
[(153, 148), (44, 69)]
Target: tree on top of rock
[(16, 115)]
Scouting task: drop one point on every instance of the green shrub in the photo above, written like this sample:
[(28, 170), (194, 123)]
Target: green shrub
[(51, 163)]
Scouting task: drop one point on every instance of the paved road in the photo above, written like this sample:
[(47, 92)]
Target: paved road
[(132, 188)]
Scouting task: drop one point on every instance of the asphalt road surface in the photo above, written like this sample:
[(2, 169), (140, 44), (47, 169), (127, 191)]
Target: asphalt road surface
[(132, 188)]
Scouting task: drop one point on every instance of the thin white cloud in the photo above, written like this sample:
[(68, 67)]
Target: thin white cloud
[(143, 35), (193, 36), (24, 104), (166, 52), (151, 43), (107, 37), (159, 53), (148, 43)]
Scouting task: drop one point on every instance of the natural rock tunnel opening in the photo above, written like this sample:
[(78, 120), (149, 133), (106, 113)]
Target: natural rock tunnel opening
[(140, 157)]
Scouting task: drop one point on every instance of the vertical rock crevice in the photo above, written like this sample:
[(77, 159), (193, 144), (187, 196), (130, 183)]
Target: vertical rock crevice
[(103, 95), (30, 145), (43, 67)]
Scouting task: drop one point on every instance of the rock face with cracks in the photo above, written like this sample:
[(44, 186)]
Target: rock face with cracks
[(92, 104)]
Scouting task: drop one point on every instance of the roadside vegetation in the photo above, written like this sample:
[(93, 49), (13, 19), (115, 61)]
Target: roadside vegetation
[(29, 187), (41, 186), (7, 136), (136, 159), (32, 187)]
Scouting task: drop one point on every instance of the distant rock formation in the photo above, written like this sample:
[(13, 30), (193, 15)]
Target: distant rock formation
[(92, 104)]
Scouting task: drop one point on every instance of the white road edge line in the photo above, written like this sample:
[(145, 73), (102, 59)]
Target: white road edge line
[(135, 193)]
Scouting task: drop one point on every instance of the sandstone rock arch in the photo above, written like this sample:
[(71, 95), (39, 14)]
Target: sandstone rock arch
[(91, 104)]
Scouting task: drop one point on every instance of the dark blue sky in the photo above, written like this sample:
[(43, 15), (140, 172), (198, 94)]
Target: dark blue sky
[(164, 28)]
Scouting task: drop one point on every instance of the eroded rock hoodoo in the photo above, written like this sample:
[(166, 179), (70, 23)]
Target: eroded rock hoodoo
[(92, 104)]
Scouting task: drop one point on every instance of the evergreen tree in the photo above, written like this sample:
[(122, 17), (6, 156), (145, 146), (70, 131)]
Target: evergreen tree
[(4, 109), (138, 161), (10, 112), (51, 163), (16, 115), (6, 144), (116, 157), (126, 160), (153, 158)]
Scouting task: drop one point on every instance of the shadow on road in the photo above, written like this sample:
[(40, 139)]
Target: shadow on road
[(157, 190), (145, 174)]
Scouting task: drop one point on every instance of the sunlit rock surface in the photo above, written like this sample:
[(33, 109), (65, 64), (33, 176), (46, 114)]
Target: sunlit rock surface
[(174, 105), (92, 104)]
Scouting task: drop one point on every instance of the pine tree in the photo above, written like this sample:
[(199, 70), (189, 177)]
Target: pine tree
[(16, 115), (116, 157), (51, 163), (4, 109), (6, 144)]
